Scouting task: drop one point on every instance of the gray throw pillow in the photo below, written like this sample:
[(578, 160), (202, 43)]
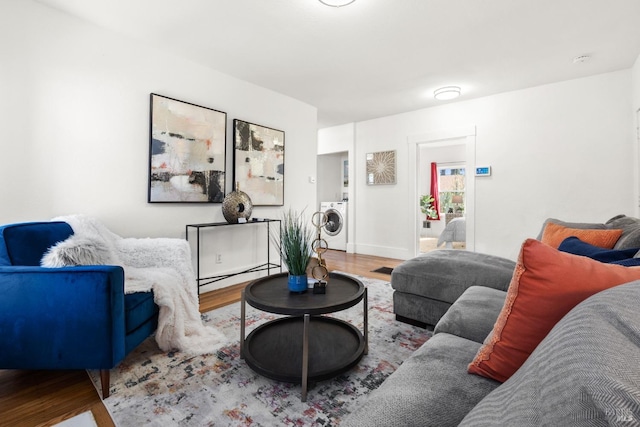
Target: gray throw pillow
[(630, 231), (78, 250)]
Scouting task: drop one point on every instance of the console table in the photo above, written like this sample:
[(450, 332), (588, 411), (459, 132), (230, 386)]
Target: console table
[(202, 281)]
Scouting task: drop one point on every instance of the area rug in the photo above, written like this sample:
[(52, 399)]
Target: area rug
[(152, 388)]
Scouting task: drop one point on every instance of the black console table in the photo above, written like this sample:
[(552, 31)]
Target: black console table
[(202, 281)]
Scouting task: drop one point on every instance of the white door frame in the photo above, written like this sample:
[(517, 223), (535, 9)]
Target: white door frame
[(637, 168), (442, 138)]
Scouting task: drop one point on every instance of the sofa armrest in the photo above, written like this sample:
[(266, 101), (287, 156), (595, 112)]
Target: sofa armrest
[(61, 318)]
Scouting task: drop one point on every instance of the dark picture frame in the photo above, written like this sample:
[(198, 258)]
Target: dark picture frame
[(258, 162), (187, 152)]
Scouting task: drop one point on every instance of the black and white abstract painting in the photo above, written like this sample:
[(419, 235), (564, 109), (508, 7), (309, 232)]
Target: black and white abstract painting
[(258, 159), (187, 152)]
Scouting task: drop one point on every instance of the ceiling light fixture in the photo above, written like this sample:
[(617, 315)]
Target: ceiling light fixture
[(336, 3), (446, 93)]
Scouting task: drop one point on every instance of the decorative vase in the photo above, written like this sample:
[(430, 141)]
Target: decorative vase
[(237, 205), (297, 283)]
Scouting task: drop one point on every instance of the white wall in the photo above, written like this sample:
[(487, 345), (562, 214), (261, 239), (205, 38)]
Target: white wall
[(636, 85), (336, 139), (562, 150), (329, 182), (636, 121), (75, 118)]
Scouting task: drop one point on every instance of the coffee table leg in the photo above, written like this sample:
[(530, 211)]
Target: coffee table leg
[(366, 322), (305, 358), (242, 326)]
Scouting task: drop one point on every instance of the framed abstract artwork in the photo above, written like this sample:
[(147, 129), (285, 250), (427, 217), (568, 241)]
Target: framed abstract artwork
[(258, 163), (187, 150), (381, 168)]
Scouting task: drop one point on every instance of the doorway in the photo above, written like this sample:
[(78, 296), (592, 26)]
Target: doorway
[(452, 154), (333, 177), (442, 179)]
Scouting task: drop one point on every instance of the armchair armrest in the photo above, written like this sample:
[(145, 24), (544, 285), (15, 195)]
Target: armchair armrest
[(61, 318)]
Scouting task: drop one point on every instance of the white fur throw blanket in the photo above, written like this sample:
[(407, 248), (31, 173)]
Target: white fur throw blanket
[(160, 264)]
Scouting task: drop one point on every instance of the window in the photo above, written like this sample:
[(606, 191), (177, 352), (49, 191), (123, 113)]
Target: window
[(451, 185)]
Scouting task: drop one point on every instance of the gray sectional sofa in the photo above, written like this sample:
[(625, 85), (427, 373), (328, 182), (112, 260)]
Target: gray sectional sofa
[(426, 286), (585, 372)]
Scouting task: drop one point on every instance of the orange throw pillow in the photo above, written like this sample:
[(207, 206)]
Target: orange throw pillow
[(554, 234), (546, 285)]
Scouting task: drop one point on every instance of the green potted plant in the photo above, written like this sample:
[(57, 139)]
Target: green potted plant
[(294, 246), (427, 208)]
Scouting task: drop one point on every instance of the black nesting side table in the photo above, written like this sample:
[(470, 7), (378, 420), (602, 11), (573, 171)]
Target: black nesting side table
[(304, 346)]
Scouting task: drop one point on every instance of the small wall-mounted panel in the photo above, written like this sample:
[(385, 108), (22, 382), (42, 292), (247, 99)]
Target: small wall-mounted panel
[(483, 170)]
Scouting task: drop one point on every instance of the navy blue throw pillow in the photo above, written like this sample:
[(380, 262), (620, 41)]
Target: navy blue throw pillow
[(575, 246), (629, 262)]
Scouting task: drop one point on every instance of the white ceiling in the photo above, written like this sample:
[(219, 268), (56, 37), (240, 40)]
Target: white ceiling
[(375, 58)]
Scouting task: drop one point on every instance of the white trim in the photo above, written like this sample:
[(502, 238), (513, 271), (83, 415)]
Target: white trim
[(442, 135), (636, 172), (382, 251)]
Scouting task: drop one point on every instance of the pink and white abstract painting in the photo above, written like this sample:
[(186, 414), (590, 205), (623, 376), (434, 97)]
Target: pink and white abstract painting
[(187, 152)]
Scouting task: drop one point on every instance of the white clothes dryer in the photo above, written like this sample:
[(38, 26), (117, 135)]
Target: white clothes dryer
[(335, 231)]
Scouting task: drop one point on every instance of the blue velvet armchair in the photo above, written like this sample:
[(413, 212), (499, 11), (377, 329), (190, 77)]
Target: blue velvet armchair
[(65, 318)]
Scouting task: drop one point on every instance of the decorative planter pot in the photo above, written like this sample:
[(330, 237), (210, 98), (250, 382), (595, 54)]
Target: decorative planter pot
[(297, 283)]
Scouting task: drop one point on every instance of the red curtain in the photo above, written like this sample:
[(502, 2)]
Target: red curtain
[(434, 191)]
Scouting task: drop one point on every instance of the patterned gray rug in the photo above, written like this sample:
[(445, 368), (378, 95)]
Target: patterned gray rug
[(152, 388)]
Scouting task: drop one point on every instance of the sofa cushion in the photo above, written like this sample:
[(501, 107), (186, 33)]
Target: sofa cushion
[(431, 388), (473, 315), (444, 275), (554, 235), (421, 309), (546, 284), (583, 373), (25, 243), (630, 231), (574, 245)]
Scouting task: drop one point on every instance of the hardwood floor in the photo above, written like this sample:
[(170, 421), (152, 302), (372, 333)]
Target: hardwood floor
[(44, 398)]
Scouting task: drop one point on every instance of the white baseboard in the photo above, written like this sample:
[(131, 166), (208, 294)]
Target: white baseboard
[(383, 251)]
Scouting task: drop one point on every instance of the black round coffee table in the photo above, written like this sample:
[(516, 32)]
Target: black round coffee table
[(304, 346)]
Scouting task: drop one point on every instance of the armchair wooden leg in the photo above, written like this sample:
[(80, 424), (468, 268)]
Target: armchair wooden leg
[(104, 380)]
